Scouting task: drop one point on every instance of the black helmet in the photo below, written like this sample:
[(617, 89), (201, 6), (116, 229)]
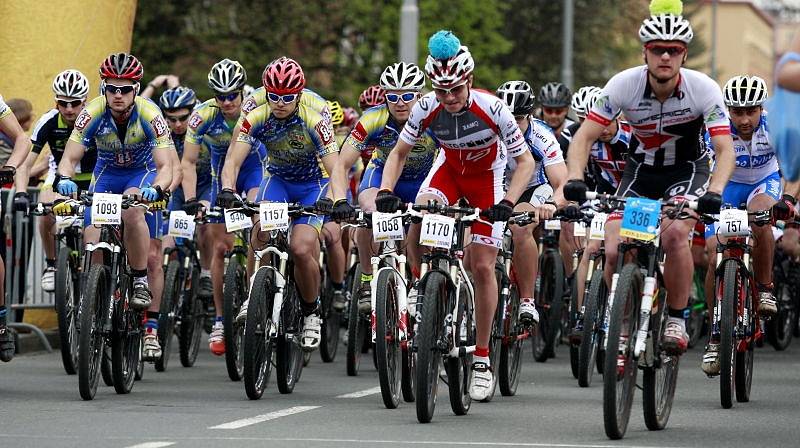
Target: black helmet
[(554, 94), (518, 96)]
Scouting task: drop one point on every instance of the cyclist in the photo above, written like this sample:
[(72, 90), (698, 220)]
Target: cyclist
[(301, 150), (554, 98), (546, 184), (210, 128), (9, 126), (666, 106), (134, 156), (756, 181), (380, 126), (53, 129), (476, 133)]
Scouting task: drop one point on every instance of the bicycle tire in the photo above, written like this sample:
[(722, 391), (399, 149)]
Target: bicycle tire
[(233, 292), (744, 358), (574, 350), (355, 326), (167, 312), (594, 312), (618, 390), (510, 362), (289, 355), (434, 285), (540, 330), (331, 321), (779, 329), (66, 301), (193, 316), (458, 369), (659, 380), (727, 329), (257, 344), (556, 299), (495, 338), (90, 340), (105, 366), (387, 338), (126, 342)]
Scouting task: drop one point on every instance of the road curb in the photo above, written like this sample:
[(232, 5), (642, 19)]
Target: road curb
[(30, 343)]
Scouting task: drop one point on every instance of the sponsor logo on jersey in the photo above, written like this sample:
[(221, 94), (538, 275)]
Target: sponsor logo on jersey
[(160, 126), (248, 105), (676, 190), (359, 133), (245, 129), (467, 126), (476, 155), (83, 119), (195, 121), (325, 131), (496, 108)]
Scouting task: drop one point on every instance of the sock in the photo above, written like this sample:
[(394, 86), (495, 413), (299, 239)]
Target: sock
[(3, 313), (51, 263), (337, 286), (139, 276), (366, 278), (678, 316), (309, 308), (481, 355), (526, 300), (151, 326), (205, 273), (415, 272)]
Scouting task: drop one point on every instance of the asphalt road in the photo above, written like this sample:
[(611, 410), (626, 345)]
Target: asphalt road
[(200, 407)]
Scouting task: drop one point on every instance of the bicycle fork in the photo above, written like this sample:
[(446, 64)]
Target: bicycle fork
[(645, 308), (400, 294)]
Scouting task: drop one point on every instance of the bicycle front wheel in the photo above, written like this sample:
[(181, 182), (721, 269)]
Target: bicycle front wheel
[(659, 380), (731, 290), (387, 338), (744, 349), (619, 379), (234, 292), (193, 315), (331, 321), (512, 334), (592, 321), (91, 341), (257, 344), (458, 368), (356, 328), (433, 288), (167, 312), (289, 355)]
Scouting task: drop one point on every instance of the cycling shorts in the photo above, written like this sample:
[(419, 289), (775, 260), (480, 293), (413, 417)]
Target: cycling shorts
[(405, 189), (537, 195), (82, 179), (737, 194), (482, 190), (276, 189), (110, 179), (687, 179)]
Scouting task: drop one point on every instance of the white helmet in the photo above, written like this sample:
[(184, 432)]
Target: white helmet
[(745, 91), (583, 100), (449, 72), (666, 27), (71, 84), (227, 76), (402, 76)]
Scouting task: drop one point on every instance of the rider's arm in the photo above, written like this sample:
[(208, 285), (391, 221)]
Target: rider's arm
[(348, 156), (579, 148), (233, 161), (725, 162), (557, 176), (522, 175), (177, 172), (163, 158), (395, 163), (11, 127), (789, 73), (191, 152), (73, 153)]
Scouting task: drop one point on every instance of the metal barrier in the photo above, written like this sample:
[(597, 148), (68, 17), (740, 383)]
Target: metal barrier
[(23, 282)]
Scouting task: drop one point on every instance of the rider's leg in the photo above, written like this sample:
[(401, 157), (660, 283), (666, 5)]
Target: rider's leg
[(567, 245), (366, 249), (47, 233), (304, 247), (678, 278), (525, 259), (612, 228), (763, 252), (6, 338)]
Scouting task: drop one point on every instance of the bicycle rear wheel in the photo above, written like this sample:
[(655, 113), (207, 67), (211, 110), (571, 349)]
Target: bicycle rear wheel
[(659, 380), (257, 344), (594, 311), (126, 349), (433, 288), (331, 321), (356, 328), (66, 298), (458, 368), (619, 381), (289, 355), (731, 290), (193, 316), (167, 312), (234, 292), (510, 362), (574, 350), (780, 329), (744, 351), (91, 340)]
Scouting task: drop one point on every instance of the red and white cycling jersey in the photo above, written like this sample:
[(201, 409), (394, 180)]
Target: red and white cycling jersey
[(470, 139), (668, 132)]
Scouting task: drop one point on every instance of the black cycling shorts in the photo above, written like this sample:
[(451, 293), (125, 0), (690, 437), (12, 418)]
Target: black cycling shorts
[(688, 179)]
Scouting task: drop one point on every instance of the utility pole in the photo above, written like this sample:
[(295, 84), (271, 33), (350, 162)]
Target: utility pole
[(566, 49), (714, 40), (409, 31)]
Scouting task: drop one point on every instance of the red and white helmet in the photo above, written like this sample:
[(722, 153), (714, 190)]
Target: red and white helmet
[(121, 66), (371, 96), (350, 117), (283, 76), (452, 71)]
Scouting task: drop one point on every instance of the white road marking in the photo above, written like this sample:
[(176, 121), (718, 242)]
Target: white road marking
[(362, 393), (236, 424), (152, 445)]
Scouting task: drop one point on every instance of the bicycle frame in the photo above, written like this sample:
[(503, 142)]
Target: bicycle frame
[(396, 262), (279, 252), (739, 250)]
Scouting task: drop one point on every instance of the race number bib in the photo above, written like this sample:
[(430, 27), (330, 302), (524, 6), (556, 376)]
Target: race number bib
[(387, 227), (437, 231), (106, 209), (181, 225), (733, 222), (597, 230), (579, 229), (236, 220), (552, 224), (640, 220), (274, 215)]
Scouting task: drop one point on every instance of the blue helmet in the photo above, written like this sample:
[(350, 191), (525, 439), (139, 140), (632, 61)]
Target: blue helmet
[(177, 98)]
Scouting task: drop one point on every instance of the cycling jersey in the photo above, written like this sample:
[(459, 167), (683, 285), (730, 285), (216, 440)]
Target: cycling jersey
[(53, 131), (377, 128), (310, 98), (295, 145), (545, 149), (4, 109), (146, 130), (607, 160), (755, 158), (668, 131)]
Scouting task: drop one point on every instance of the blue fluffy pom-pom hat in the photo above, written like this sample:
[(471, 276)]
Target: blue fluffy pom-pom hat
[(449, 63)]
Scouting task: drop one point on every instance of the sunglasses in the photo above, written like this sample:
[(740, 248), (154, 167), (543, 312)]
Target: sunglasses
[(288, 98), (175, 119), (671, 50), (520, 117), (406, 97), (124, 90), (73, 103), (454, 90), (228, 97)]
